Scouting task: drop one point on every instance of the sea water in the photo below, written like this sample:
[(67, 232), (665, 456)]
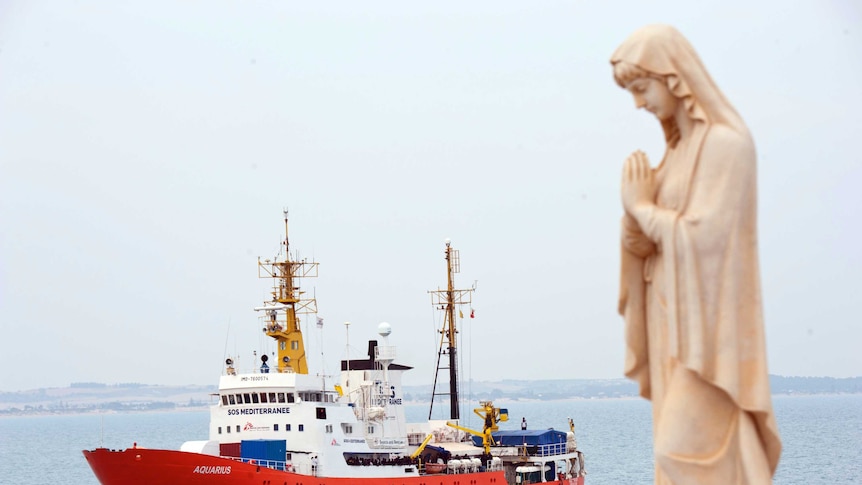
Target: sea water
[(822, 438)]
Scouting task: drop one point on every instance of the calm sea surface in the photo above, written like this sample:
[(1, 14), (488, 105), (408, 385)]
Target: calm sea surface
[(822, 438)]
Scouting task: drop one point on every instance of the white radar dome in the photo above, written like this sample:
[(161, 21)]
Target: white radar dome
[(384, 329)]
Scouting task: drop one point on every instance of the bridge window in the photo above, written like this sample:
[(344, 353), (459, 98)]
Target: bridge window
[(224, 400), (231, 398), (311, 396)]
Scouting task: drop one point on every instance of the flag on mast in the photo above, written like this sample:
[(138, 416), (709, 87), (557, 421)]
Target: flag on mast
[(319, 322)]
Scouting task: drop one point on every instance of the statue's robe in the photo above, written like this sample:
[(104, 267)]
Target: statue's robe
[(690, 295)]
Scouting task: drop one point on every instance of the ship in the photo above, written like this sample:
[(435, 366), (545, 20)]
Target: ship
[(277, 424)]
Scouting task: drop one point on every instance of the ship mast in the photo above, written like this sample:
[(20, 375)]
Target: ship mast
[(446, 300), (289, 300)]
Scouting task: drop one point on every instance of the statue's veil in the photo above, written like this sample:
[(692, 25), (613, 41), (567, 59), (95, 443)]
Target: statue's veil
[(662, 50)]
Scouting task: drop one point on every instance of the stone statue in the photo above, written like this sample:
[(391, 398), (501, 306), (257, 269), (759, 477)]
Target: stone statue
[(690, 284)]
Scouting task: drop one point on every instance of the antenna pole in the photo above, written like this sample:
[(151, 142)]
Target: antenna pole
[(450, 317), (347, 343), (286, 241)]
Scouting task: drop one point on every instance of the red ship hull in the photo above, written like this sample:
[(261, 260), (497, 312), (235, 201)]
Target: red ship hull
[(143, 466)]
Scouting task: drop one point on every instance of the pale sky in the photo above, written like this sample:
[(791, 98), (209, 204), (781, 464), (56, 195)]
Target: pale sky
[(147, 150)]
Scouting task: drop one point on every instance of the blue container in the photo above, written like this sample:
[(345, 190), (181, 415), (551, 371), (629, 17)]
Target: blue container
[(534, 437), (268, 450)]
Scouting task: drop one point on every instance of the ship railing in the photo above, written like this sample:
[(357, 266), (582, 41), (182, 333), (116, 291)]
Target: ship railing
[(543, 450), (385, 352), (273, 464)]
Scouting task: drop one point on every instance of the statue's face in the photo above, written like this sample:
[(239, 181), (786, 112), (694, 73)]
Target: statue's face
[(654, 96)]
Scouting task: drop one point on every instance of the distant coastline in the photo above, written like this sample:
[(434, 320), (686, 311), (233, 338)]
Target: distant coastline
[(93, 397)]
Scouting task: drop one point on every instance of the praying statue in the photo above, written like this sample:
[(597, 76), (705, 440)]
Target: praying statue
[(690, 283)]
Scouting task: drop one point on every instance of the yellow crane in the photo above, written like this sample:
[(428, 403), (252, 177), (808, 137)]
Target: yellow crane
[(490, 417), (422, 446)]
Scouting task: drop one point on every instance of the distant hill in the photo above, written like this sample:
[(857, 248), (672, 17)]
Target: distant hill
[(88, 397), (530, 389), (621, 388), (815, 385), (93, 397)]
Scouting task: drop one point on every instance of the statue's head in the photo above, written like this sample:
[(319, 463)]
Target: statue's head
[(650, 91), (662, 71)]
